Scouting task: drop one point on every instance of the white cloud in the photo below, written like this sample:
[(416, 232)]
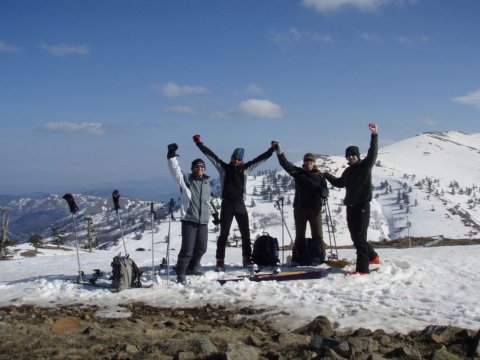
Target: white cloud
[(472, 98), (260, 108), (327, 6), (293, 35), (6, 48), (370, 37), (253, 89), (430, 121), (172, 90), (70, 127), (64, 50)]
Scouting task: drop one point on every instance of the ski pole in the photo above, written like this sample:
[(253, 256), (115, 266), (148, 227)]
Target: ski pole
[(152, 217), (331, 231), (284, 223), (279, 206), (116, 205), (171, 205), (73, 209)]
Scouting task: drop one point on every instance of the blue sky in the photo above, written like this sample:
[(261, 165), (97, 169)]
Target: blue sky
[(93, 91)]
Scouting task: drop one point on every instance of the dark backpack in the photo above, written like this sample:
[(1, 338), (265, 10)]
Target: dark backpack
[(309, 252), (125, 273), (265, 251)]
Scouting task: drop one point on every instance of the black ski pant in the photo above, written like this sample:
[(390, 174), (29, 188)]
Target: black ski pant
[(358, 219), (194, 246), (229, 210), (305, 253)]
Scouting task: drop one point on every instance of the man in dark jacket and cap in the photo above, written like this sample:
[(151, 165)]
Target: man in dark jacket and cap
[(357, 181)]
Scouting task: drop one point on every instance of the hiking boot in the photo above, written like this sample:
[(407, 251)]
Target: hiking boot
[(375, 261), (352, 273), (220, 265), (182, 279), (247, 261), (195, 272)]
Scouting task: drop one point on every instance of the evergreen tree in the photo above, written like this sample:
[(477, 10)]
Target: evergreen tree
[(36, 241)]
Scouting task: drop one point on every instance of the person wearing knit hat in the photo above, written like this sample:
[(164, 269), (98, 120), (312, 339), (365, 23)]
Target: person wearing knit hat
[(196, 163), (357, 181), (352, 150), (238, 153), (233, 176), (195, 196), (310, 190)]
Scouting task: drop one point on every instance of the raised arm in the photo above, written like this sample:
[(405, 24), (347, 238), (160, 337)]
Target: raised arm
[(373, 149), (284, 163), (252, 164), (216, 161)]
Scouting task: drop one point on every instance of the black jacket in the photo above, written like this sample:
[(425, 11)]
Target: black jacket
[(309, 185), (357, 178), (233, 178)]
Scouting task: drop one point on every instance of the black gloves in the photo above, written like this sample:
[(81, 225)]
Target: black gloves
[(172, 148)]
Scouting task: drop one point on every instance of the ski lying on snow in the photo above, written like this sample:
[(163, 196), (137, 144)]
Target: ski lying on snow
[(108, 286), (285, 276)]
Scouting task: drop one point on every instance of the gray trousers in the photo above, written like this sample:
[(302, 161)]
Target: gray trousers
[(194, 246)]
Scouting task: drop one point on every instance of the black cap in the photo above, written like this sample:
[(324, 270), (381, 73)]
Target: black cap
[(352, 150), (197, 162)]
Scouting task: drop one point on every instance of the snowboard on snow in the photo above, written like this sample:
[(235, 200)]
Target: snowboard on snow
[(285, 276)]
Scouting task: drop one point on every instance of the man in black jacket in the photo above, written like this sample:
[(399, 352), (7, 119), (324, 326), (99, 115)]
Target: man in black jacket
[(310, 187), (233, 181), (357, 181)]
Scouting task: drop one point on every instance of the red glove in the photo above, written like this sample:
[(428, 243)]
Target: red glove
[(197, 138)]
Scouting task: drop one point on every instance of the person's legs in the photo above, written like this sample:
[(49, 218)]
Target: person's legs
[(318, 251), (300, 218), (241, 216), (189, 233), (200, 248), (358, 219), (226, 218)]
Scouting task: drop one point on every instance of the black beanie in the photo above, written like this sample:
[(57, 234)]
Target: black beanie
[(352, 150), (197, 162)]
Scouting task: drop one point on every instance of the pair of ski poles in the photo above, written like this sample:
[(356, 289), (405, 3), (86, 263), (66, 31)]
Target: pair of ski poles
[(73, 210), (171, 206), (330, 229)]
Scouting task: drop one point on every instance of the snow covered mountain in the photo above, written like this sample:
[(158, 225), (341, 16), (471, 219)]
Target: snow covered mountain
[(425, 186)]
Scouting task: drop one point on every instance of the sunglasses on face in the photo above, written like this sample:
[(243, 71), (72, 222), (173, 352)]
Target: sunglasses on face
[(199, 167), (308, 160)]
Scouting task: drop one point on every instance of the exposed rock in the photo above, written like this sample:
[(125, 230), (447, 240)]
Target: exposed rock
[(208, 333)]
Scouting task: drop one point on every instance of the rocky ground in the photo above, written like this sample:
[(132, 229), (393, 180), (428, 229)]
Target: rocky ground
[(78, 332), (212, 332)]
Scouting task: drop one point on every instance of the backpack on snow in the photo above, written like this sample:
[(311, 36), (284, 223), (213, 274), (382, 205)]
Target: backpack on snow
[(265, 251), (125, 273), (308, 252)]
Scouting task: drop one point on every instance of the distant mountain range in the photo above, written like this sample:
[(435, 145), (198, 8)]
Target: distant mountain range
[(155, 189), (424, 186)]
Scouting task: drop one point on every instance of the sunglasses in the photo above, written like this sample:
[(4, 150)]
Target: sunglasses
[(199, 167)]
